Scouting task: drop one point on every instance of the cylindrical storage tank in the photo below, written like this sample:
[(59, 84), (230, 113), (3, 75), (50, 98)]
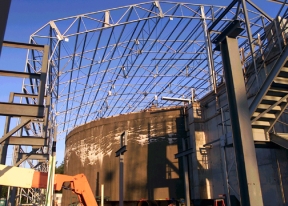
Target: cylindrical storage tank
[(150, 169)]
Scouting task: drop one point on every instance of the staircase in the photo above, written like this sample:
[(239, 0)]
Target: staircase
[(271, 101)]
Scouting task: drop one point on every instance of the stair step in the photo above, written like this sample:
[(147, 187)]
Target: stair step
[(281, 80), (261, 123), (273, 98), (267, 115), (274, 92), (272, 82), (284, 69), (266, 106)]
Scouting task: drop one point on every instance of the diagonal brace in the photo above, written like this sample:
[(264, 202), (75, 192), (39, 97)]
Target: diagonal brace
[(22, 160), (283, 107), (14, 130)]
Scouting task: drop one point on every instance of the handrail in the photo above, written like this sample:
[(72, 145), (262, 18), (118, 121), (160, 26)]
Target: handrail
[(268, 52)]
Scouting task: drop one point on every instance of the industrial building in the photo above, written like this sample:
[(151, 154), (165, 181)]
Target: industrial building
[(156, 101)]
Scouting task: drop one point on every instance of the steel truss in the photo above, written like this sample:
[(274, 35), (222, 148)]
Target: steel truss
[(122, 60)]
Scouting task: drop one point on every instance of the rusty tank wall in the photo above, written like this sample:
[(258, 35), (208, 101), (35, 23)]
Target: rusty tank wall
[(150, 168)]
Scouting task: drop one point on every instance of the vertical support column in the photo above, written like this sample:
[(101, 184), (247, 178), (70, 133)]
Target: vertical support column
[(5, 6), (51, 169), (3, 146), (107, 19), (246, 162), (43, 77), (194, 182), (186, 174), (223, 140), (121, 179), (102, 195), (208, 50), (45, 129), (251, 43), (13, 190), (224, 166), (195, 140), (120, 154), (41, 97)]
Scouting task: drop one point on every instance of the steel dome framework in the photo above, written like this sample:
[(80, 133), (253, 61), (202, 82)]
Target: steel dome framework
[(125, 59)]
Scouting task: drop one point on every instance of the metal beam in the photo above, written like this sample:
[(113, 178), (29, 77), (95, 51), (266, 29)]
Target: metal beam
[(208, 50), (13, 109), (23, 45), (4, 147), (14, 130), (25, 95), (184, 153), (210, 143), (232, 30), (279, 140), (120, 154), (246, 162), (43, 76), (19, 74), (5, 6), (55, 28), (29, 141), (260, 10), (222, 15), (250, 39), (176, 99), (33, 156), (278, 1), (121, 151), (185, 161)]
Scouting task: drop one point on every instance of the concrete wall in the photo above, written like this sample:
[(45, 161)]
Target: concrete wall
[(150, 169), (208, 164), (152, 172)]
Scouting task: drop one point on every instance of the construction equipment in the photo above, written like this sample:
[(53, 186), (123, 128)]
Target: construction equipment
[(29, 178)]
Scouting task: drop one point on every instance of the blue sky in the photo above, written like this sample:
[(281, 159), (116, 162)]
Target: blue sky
[(27, 16)]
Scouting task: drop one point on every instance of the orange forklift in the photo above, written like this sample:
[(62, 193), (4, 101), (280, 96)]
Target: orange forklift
[(29, 178)]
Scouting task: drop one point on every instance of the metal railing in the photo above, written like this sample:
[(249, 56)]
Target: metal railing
[(269, 47)]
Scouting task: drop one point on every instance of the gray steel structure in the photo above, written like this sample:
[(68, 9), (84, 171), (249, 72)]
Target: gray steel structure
[(243, 142), (122, 60), (5, 6), (32, 115)]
